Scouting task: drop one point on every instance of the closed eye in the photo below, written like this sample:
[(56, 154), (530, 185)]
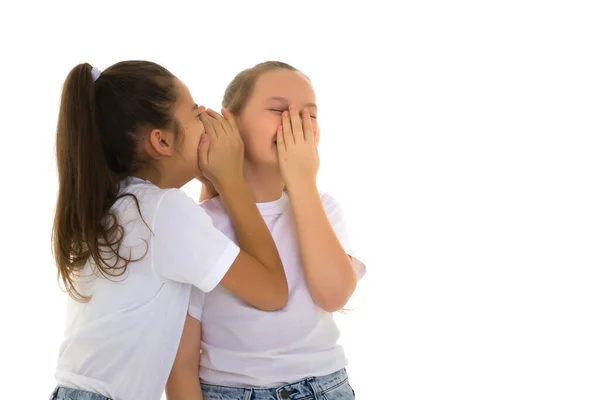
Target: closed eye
[(280, 111)]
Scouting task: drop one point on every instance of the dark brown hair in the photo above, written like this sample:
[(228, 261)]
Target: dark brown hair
[(240, 88), (97, 145)]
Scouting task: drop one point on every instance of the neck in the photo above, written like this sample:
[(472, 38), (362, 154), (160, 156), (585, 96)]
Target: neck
[(159, 179), (265, 182)]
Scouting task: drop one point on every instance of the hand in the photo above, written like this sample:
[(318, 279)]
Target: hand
[(203, 180), (297, 150), (221, 150)]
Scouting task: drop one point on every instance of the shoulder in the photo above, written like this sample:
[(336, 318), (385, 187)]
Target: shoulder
[(174, 206), (139, 198), (144, 192), (173, 197), (154, 202)]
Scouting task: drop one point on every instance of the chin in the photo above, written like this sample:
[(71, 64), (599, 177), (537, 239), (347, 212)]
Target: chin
[(266, 162)]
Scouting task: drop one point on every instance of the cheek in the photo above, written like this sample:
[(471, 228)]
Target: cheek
[(191, 134), (270, 122), (260, 130)]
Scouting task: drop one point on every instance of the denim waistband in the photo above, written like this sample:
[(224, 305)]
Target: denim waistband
[(63, 393), (306, 388)]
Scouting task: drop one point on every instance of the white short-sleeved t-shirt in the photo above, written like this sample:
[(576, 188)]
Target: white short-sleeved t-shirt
[(246, 347), (122, 343)]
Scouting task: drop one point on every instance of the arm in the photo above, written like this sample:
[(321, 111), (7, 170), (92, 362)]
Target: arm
[(258, 269), (183, 382), (329, 273), (257, 274), (186, 246), (254, 239)]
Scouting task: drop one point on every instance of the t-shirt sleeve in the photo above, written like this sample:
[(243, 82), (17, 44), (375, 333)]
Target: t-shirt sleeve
[(186, 247), (336, 219)]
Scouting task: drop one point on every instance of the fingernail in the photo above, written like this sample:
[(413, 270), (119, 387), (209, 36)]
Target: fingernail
[(285, 113), (292, 107)]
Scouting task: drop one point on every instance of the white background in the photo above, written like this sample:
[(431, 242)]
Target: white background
[(462, 138)]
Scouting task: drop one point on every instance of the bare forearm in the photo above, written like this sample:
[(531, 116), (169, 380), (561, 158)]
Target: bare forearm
[(250, 229), (184, 385), (183, 382), (328, 270)]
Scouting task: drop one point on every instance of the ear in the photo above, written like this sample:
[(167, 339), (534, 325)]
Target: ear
[(162, 142), (238, 120), (240, 125)]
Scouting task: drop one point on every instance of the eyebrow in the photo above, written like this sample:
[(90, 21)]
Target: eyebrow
[(279, 98)]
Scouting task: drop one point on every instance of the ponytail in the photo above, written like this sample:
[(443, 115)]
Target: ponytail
[(87, 187)]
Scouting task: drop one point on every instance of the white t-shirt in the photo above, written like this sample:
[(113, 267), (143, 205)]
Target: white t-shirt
[(246, 347), (122, 343)]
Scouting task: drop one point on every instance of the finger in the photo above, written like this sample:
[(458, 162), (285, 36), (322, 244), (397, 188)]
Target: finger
[(232, 126), (203, 147), (296, 124), (288, 135), (219, 121), (309, 136), (281, 148), (209, 125)]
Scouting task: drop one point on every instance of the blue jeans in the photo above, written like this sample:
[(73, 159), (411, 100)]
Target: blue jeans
[(62, 393), (329, 387)]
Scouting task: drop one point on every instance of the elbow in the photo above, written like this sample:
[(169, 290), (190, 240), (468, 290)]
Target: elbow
[(278, 297), (277, 301), (332, 300), (274, 305), (331, 303)]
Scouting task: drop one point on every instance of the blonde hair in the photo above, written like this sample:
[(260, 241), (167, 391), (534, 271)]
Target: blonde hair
[(238, 91)]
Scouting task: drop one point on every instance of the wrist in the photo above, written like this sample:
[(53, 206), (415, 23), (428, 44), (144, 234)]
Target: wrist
[(305, 202), (302, 189), (229, 184), (234, 190)]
